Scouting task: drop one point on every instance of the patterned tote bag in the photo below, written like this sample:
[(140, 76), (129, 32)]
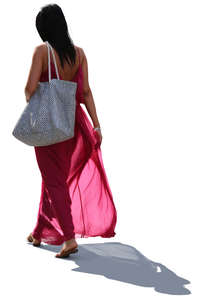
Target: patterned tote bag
[(49, 116)]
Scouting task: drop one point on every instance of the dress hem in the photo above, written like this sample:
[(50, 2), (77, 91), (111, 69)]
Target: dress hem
[(77, 235)]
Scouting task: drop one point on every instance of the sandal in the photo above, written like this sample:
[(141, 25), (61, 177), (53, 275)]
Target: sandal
[(67, 252)]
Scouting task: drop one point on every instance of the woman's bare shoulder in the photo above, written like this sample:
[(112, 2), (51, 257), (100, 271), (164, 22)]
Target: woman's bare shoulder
[(41, 46), (81, 51)]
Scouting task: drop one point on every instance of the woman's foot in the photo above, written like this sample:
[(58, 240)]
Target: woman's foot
[(68, 247), (32, 240)]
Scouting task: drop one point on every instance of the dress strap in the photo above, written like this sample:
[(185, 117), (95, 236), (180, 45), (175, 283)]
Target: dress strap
[(55, 64), (79, 56)]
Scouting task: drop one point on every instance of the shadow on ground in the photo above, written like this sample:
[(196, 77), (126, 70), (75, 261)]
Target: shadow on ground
[(124, 263)]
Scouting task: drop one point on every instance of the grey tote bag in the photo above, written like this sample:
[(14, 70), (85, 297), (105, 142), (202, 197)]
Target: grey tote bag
[(49, 116)]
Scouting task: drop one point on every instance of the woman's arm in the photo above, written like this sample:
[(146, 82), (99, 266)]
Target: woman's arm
[(35, 72), (87, 93)]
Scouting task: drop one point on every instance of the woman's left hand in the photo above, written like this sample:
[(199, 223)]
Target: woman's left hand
[(98, 136)]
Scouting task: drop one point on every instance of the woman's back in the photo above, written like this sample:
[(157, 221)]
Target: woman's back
[(68, 72)]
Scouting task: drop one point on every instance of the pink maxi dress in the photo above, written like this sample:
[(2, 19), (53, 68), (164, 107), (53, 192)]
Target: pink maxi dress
[(76, 200)]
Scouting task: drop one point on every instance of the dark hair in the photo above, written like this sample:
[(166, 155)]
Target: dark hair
[(52, 27)]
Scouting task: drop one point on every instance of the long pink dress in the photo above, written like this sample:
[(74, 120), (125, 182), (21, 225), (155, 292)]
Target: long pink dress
[(76, 200)]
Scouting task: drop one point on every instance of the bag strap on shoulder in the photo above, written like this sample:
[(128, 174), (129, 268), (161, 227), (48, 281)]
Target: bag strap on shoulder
[(55, 64)]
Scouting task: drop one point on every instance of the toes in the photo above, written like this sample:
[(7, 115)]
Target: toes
[(59, 254), (62, 253)]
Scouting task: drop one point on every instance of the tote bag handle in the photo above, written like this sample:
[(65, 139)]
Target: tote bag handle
[(49, 67)]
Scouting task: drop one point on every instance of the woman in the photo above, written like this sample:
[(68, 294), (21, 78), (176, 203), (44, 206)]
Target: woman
[(76, 200)]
